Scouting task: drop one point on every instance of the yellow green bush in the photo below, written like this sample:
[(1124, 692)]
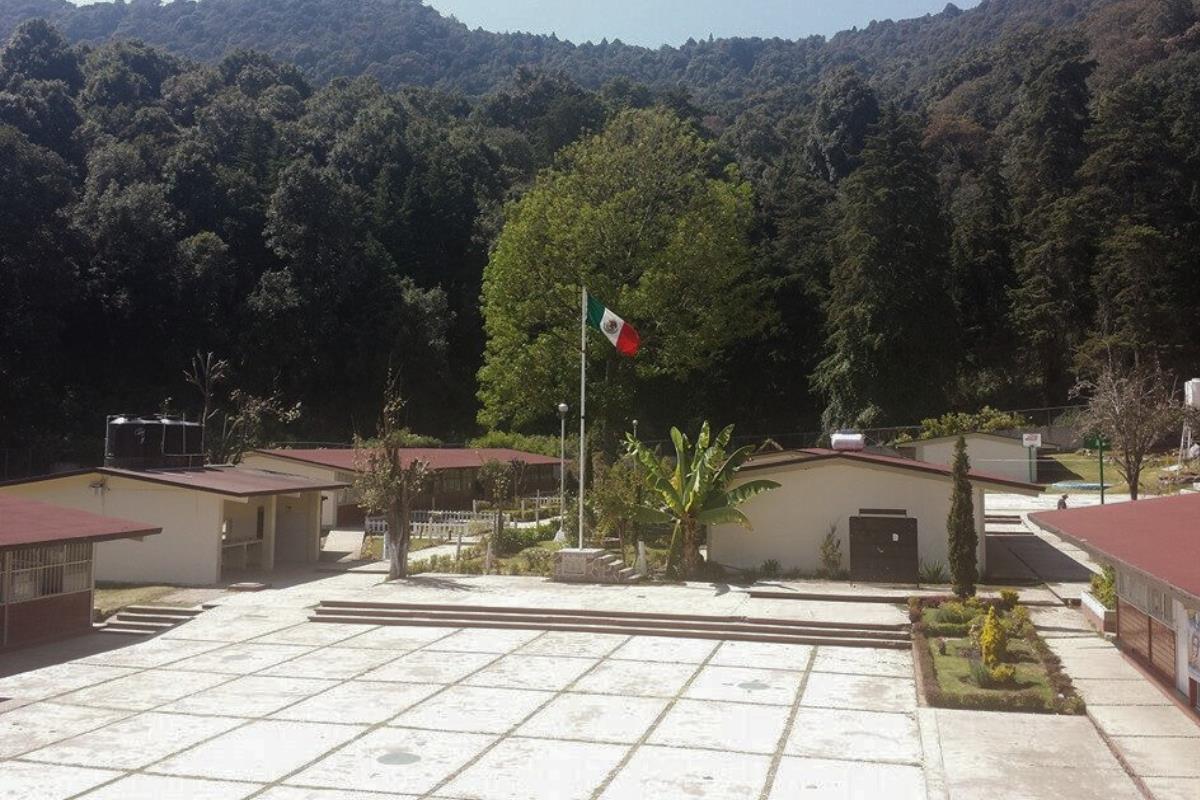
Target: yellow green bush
[(1002, 674), (993, 640)]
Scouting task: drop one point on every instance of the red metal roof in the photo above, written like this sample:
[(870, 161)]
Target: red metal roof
[(28, 522), (1157, 536), (223, 479), (233, 481), (786, 457), (438, 457)]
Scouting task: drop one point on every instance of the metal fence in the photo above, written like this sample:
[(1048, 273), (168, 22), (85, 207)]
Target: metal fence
[(43, 571)]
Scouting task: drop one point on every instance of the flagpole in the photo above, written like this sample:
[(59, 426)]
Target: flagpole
[(582, 402)]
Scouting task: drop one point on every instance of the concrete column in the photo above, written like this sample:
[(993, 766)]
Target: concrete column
[(269, 533), (312, 505)]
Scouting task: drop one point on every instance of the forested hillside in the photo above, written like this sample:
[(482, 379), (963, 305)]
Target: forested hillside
[(965, 209)]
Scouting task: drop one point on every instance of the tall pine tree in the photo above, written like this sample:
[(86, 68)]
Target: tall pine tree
[(889, 315)]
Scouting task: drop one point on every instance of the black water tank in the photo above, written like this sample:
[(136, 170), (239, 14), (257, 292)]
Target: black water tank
[(152, 442)]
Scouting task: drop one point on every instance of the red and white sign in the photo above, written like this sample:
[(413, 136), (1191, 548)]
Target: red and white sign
[(1031, 439)]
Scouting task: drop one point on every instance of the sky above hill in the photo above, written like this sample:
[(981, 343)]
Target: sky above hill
[(657, 22)]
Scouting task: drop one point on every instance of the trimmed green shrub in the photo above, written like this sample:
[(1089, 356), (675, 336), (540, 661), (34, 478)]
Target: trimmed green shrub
[(1104, 587), (955, 613), (1008, 599)]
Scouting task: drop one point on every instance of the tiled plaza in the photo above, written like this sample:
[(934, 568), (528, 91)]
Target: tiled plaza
[(250, 700)]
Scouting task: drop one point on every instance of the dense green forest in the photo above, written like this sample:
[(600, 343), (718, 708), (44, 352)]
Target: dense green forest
[(964, 209)]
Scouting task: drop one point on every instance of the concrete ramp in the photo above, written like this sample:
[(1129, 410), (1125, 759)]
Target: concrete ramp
[(342, 546)]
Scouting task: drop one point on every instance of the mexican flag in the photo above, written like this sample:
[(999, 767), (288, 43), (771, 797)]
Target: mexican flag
[(623, 335)]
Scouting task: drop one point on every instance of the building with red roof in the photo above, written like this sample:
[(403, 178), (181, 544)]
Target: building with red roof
[(887, 513), (212, 518), (1154, 547), (454, 485), (46, 567)]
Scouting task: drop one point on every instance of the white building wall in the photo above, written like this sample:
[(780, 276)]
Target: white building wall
[(791, 521), (1182, 643), (1002, 458), (186, 552), (298, 527), (330, 500)]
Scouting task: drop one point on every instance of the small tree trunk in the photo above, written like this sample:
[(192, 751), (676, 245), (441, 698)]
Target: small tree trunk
[(675, 552), (691, 549), (1134, 477), (398, 563)]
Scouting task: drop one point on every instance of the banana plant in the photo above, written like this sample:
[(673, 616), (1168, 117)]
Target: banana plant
[(694, 491)]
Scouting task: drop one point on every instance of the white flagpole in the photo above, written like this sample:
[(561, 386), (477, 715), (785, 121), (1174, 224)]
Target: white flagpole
[(582, 403)]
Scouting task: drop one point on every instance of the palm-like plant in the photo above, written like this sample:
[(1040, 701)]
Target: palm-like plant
[(694, 491)]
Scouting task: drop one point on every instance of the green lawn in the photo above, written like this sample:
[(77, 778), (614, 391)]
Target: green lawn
[(1086, 467), (373, 546), (954, 675)]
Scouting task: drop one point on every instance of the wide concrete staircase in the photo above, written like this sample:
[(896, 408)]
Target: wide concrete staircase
[(147, 620), (690, 626)]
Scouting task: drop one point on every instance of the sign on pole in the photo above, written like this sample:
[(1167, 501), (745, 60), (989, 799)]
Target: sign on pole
[(1031, 439)]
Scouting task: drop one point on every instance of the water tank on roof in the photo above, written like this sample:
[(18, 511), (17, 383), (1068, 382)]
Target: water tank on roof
[(847, 440), (132, 442)]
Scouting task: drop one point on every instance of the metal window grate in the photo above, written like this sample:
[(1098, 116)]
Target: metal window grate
[(50, 570)]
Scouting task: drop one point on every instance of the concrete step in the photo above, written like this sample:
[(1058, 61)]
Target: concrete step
[(123, 630), (168, 619), (597, 627), (484, 618), (176, 611), (628, 575), (152, 627), (583, 612)]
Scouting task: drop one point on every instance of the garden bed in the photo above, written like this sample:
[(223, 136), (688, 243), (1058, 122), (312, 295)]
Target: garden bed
[(946, 639)]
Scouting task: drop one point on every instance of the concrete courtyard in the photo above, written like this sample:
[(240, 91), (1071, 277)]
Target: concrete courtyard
[(251, 700)]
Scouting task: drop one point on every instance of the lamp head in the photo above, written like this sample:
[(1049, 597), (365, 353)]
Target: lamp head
[(562, 409)]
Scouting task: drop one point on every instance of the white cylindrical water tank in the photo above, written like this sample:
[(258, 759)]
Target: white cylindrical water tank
[(847, 440)]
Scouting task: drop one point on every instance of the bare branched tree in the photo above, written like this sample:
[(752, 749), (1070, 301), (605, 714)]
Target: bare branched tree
[(206, 372), (1135, 408), (388, 483), (247, 421)]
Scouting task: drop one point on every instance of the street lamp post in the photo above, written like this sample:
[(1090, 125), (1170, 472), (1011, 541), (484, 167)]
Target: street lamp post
[(561, 536), (635, 429)]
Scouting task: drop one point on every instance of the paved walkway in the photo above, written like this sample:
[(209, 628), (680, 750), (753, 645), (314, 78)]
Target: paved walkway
[(1158, 741)]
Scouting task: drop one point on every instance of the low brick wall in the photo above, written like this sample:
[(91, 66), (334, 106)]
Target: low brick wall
[(1102, 619)]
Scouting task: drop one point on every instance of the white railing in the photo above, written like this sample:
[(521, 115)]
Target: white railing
[(443, 525)]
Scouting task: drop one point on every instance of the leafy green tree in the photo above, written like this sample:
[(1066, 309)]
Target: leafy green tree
[(845, 111), (615, 495), (888, 314), (960, 525), (637, 216), (694, 490), (36, 51), (496, 478)]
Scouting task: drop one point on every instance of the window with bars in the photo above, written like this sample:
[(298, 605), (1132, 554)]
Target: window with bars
[(44, 571)]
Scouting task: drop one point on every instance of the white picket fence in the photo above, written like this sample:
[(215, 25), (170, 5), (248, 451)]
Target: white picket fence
[(446, 526)]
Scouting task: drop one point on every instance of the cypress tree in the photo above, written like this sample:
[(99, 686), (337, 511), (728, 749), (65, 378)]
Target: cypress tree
[(960, 526)]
